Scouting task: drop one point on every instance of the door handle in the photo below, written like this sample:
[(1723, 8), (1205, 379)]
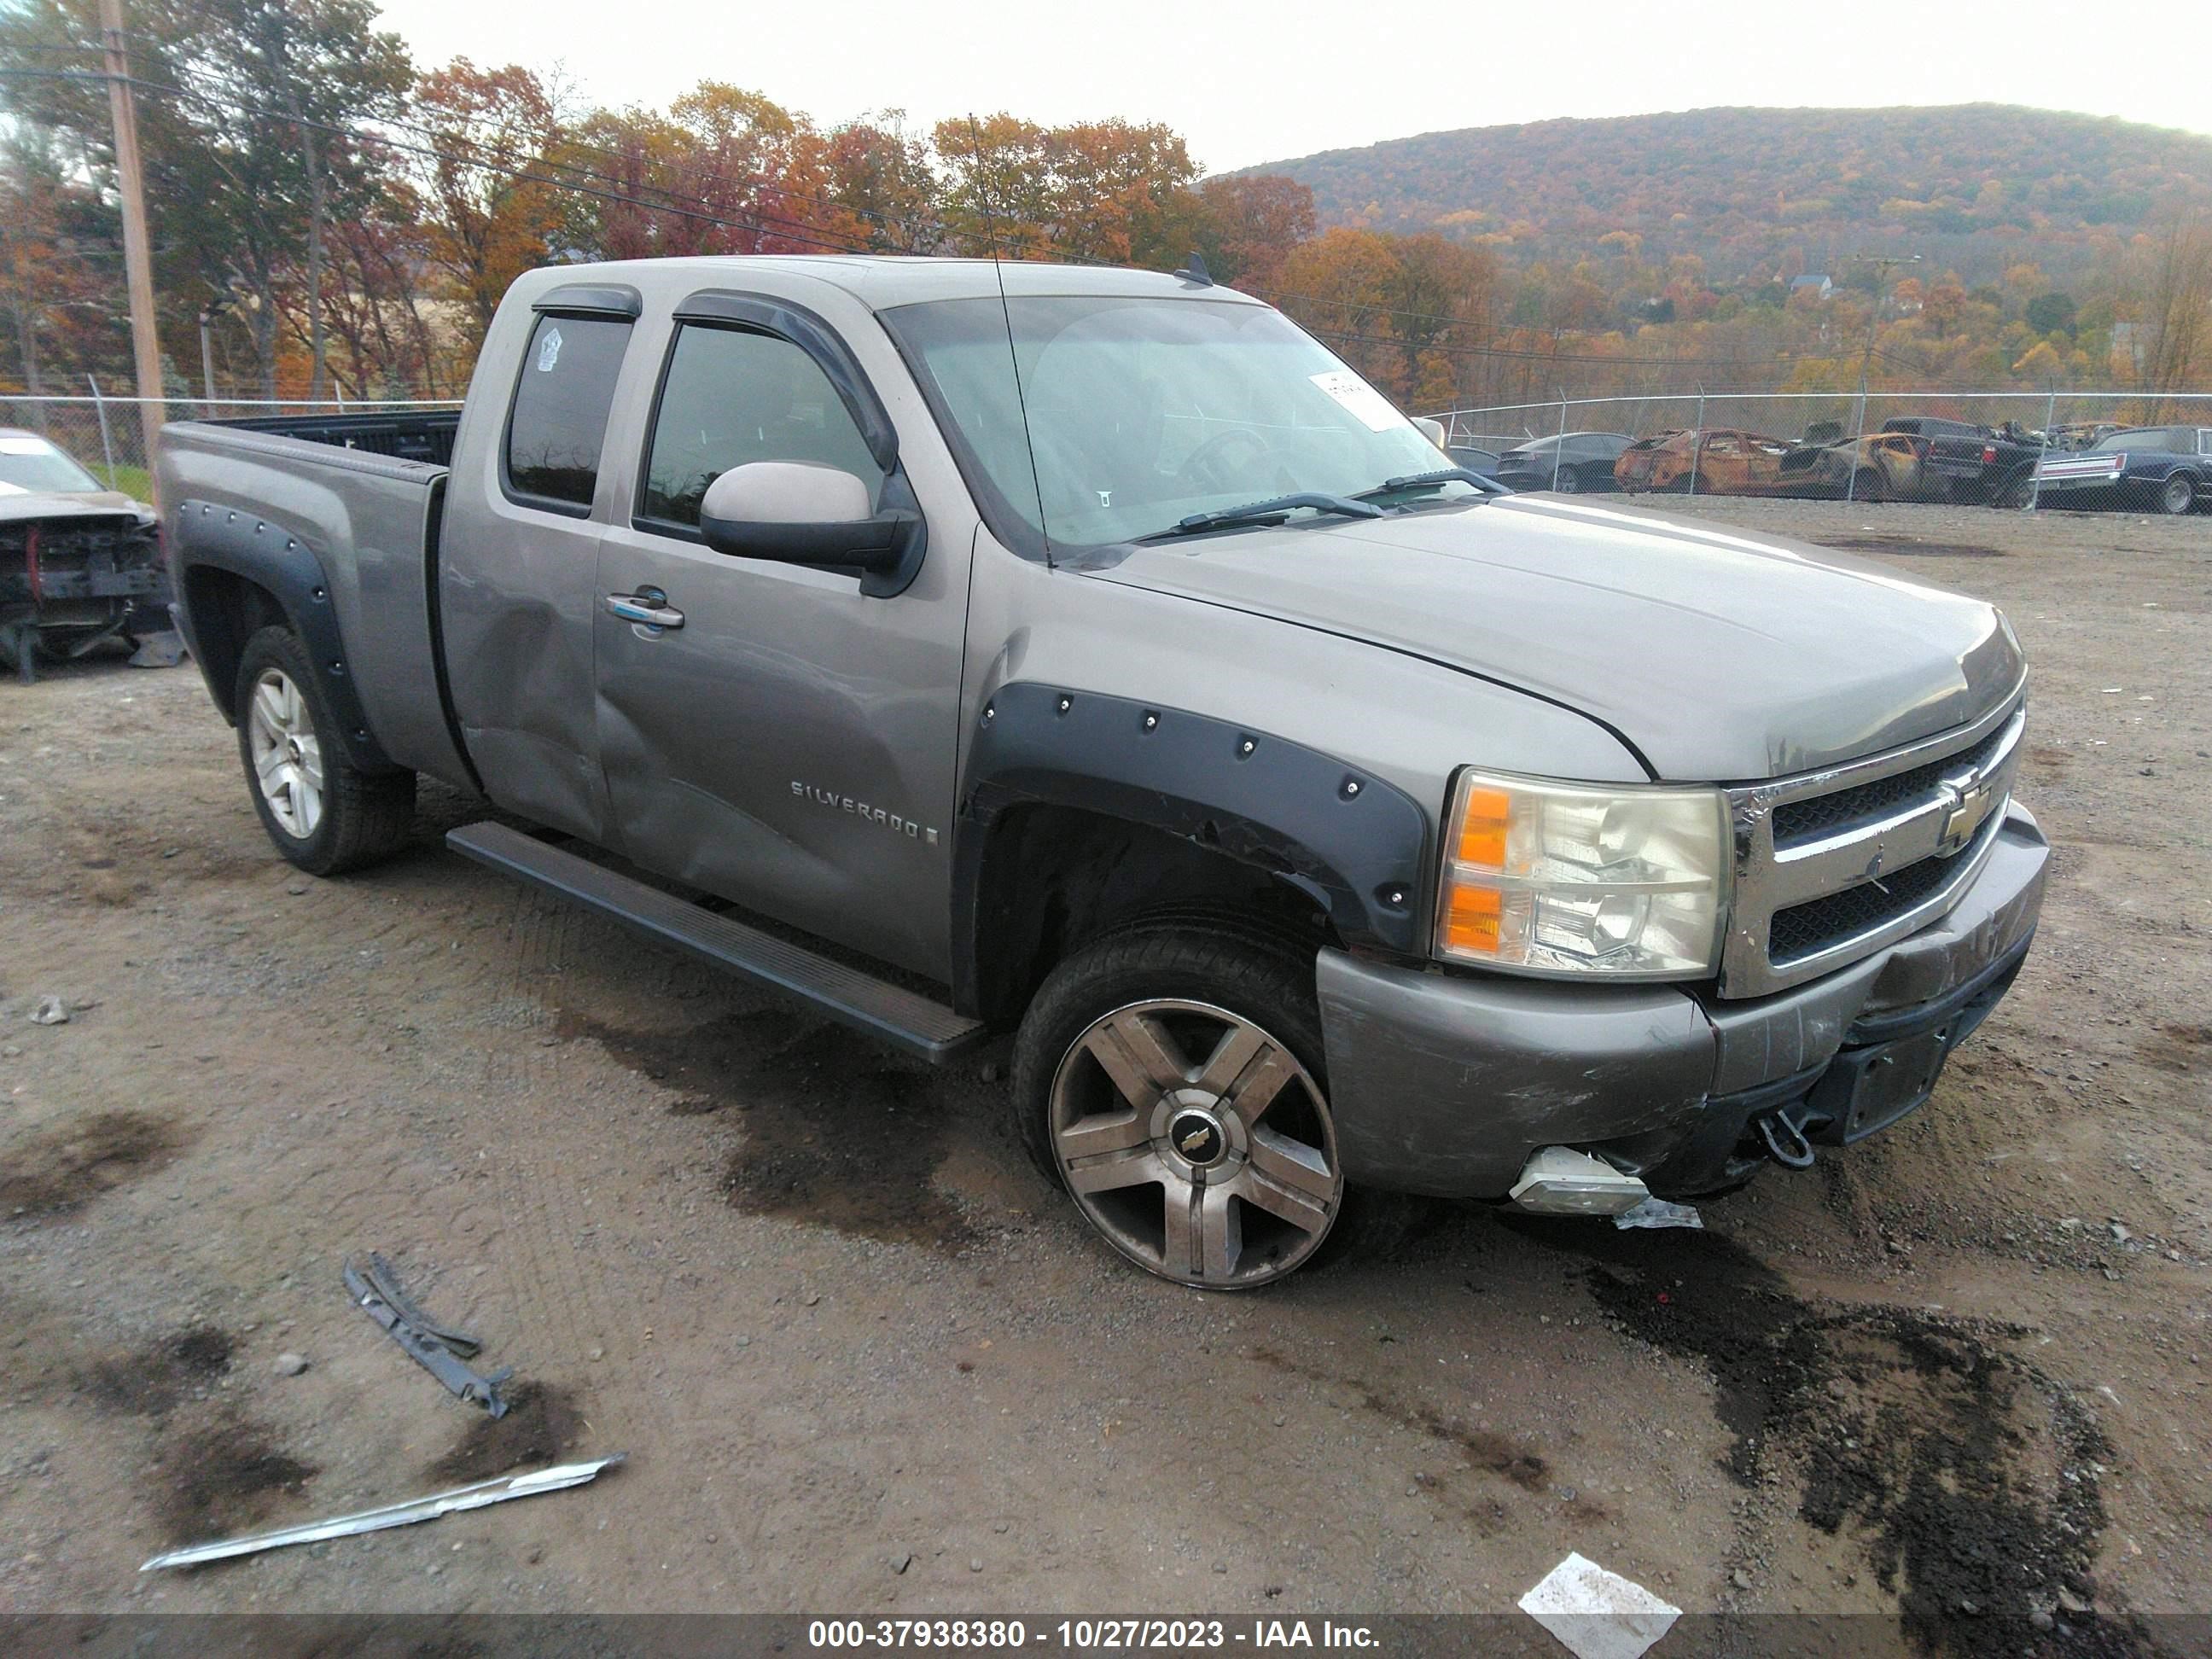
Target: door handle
[(648, 607)]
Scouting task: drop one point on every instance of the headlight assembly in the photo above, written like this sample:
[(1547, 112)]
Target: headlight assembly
[(1562, 878)]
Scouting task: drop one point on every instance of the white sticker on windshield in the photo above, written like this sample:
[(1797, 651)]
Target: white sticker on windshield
[(25, 447), (1372, 408), (548, 350)]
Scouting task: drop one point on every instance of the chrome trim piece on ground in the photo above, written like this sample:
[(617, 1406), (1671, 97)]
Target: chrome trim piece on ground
[(474, 1497)]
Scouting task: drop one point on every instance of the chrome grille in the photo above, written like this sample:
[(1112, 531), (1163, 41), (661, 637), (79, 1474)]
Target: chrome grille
[(1831, 865), (1799, 821)]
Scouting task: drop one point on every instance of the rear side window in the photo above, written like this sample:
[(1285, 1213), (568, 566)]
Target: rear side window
[(732, 396), (559, 422)]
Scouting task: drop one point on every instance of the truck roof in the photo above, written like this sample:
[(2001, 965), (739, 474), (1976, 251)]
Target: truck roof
[(880, 281)]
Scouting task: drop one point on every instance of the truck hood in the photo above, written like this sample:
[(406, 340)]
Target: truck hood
[(1720, 657)]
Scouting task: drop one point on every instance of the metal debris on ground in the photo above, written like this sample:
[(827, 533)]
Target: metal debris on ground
[(1658, 1213), (1598, 1615), (498, 1489), (163, 650), (440, 1351), (51, 1011)]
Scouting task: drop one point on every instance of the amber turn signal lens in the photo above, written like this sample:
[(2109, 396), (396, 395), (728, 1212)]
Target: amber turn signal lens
[(1471, 920), (1482, 828)]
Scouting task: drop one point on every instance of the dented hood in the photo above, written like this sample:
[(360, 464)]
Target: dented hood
[(1719, 656)]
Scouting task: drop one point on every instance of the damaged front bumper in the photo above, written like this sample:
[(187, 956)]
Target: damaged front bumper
[(1448, 1083)]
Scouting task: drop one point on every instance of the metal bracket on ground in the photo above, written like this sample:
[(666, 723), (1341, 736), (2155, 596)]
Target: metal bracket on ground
[(375, 1290)]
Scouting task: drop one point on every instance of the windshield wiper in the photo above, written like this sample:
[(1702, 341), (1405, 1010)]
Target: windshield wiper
[(1268, 511), (1435, 480)]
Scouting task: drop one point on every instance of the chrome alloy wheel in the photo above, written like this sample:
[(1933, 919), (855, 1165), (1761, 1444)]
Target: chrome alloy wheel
[(1196, 1143), (288, 759)]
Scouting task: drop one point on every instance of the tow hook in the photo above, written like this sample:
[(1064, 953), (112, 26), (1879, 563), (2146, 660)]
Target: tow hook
[(1785, 1140)]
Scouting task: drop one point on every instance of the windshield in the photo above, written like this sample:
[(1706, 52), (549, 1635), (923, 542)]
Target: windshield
[(1144, 411), (33, 465)]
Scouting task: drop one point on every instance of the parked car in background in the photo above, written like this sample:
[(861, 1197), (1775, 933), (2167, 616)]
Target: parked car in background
[(1483, 463), (1573, 462), (1965, 462), (2159, 469), (1882, 466), (1726, 461), (79, 562)]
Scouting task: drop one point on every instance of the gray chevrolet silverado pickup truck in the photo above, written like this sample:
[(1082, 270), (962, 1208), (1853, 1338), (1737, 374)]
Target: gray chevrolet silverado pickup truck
[(1100, 659)]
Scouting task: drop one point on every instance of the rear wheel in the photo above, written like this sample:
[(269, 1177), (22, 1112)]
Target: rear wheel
[(323, 812), (1868, 485), (1570, 482), (2177, 494), (2016, 492), (1170, 1078)]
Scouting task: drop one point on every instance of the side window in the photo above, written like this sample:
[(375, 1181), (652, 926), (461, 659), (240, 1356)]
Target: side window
[(559, 420), (734, 395)]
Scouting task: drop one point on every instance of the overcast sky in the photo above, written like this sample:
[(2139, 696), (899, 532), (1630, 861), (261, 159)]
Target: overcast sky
[(1249, 81)]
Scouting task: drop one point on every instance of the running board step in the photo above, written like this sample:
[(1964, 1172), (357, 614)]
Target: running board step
[(867, 1004)]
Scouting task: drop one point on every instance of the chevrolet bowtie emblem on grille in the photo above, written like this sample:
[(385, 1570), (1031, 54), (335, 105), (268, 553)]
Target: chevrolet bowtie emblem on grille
[(1968, 800)]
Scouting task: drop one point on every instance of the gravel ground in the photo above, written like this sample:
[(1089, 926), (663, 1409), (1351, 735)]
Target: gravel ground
[(861, 1359)]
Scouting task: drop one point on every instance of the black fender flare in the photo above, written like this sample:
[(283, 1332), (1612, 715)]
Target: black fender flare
[(204, 535), (1354, 843)]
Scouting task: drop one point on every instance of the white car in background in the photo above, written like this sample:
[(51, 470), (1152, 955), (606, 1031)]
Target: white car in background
[(79, 563)]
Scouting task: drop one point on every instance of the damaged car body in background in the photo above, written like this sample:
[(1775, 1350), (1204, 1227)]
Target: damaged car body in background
[(78, 564)]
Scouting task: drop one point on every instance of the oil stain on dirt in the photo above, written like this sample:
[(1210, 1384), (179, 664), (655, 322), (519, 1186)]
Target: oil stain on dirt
[(2184, 1049), (1484, 1451), (1968, 1477), (836, 1134), (164, 1372), (78, 1161), (225, 1475), (1912, 547), (542, 1424)]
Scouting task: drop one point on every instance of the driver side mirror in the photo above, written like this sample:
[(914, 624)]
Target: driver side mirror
[(801, 512)]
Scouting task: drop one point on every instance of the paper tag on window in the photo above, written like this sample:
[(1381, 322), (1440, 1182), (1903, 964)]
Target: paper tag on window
[(1373, 410), (549, 351)]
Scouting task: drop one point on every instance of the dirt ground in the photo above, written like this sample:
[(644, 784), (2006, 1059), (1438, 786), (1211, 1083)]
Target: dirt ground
[(863, 1360)]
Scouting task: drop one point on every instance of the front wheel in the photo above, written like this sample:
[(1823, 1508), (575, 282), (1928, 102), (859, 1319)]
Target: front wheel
[(323, 812), (2178, 495), (1170, 1079)]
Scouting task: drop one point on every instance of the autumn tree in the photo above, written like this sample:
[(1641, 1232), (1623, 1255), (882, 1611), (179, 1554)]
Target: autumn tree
[(2169, 287), (488, 196)]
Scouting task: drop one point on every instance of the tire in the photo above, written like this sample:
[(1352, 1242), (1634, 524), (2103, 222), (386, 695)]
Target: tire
[(1570, 482), (323, 812), (1868, 485), (1198, 1023), (2014, 494), (2177, 496)]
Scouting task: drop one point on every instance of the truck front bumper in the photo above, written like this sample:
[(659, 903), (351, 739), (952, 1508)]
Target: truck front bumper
[(1447, 1083)]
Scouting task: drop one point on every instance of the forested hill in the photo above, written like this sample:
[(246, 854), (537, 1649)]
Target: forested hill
[(1767, 192)]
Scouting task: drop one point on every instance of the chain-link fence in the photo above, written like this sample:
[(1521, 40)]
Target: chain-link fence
[(106, 435), (1845, 423)]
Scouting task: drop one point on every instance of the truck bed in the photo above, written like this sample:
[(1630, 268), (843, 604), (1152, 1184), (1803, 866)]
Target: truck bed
[(416, 435), (333, 517)]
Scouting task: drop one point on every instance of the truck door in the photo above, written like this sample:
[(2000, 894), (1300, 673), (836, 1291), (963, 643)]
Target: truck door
[(517, 592), (781, 739)]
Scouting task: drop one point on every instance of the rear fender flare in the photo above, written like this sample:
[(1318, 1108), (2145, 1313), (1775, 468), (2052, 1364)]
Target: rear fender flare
[(1355, 844), (205, 536)]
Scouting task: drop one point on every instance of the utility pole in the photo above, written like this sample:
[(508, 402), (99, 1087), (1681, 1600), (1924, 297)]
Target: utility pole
[(137, 248)]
